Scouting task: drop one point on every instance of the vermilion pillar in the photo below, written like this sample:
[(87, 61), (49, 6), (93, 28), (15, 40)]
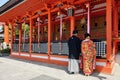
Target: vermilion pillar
[(109, 28), (6, 33), (31, 29), (49, 33), (72, 24), (115, 19)]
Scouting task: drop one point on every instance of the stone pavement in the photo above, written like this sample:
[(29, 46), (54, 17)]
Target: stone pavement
[(19, 69)]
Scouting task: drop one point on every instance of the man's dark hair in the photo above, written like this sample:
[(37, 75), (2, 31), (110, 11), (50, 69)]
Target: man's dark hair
[(75, 31)]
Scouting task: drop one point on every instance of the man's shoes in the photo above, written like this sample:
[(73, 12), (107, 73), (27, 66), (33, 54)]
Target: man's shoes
[(71, 72)]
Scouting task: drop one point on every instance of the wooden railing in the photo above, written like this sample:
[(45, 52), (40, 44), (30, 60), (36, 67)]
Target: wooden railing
[(58, 49)]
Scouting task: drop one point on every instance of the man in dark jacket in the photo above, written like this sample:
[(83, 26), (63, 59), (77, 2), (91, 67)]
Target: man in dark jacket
[(74, 45)]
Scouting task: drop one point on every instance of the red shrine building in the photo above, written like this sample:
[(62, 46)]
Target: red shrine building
[(39, 29)]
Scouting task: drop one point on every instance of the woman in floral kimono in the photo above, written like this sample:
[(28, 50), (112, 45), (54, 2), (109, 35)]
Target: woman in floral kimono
[(88, 55)]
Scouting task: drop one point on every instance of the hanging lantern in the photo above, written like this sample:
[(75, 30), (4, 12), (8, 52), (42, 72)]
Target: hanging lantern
[(87, 5), (58, 13), (70, 12), (63, 26), (83, 21), (45, 29)]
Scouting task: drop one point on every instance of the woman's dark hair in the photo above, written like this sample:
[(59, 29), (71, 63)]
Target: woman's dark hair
[(86, 35)]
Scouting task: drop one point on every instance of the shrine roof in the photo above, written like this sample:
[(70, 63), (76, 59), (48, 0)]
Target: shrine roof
[(8, 5), (15, 8)]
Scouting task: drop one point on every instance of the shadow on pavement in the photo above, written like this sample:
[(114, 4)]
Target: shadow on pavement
[(100, 77), (95, 74), (39, 63)]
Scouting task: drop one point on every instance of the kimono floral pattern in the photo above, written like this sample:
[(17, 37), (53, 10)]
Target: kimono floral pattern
[(88, 56)]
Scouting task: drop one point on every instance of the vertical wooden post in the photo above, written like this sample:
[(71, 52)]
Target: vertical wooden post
[(6, 33), (30, 35), (20, 37), (109, 28), (88, 17), (49, 33), (11, 43), (72, 24)]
